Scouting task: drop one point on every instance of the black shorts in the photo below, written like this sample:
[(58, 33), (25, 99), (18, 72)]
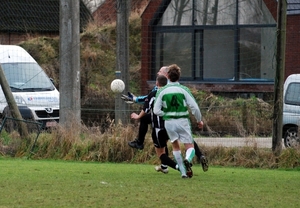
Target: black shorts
[(159, 137)]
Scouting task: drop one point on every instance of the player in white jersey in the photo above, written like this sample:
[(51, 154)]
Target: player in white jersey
[(146, 119), (172, 103)]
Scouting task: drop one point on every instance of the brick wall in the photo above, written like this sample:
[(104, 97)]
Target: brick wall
[(16, 38), (12, 38), (292, 58), (146, 43)]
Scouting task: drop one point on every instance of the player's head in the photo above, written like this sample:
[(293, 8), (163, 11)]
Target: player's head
[(161, 80), (174, 73), (163, 71)]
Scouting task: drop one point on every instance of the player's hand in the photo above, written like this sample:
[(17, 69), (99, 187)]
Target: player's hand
[(200, 124), (130, 98), (134, 116)]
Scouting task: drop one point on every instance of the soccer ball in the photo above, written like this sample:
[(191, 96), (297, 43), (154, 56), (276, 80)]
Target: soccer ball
[(117, 85)]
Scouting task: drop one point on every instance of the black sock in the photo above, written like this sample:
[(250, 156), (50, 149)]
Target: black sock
[(167, 161), (167, 151), (198, 152), (163, 166)]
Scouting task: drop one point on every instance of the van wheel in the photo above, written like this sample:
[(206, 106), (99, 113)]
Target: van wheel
[(291, 138)]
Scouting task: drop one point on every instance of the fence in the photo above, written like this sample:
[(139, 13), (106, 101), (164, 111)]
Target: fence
[(225, 48)]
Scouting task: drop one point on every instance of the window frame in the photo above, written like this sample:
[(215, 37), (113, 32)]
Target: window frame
[(194, 29)]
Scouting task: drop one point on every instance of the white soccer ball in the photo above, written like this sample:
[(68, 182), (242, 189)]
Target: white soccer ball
[(117, 85)]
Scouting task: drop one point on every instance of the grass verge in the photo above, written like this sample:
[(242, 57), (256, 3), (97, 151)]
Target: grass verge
[(44, 183)]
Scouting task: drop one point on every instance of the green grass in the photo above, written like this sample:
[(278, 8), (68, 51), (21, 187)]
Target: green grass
[(41, 183)]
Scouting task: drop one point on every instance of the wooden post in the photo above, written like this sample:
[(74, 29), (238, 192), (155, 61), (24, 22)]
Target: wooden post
[(69, 73), (123, 13), (279, 78), (22, 128)]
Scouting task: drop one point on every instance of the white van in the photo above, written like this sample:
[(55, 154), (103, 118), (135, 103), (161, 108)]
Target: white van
[(36, 96), (291, 110)]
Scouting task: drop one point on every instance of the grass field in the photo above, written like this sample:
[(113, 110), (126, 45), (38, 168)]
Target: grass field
[(42, 183)]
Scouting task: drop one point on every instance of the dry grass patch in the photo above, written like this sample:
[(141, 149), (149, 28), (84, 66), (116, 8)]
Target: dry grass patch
[(92, 144)]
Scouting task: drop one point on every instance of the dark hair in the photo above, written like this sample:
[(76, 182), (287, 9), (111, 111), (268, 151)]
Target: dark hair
[(162, 80), (174, 73)]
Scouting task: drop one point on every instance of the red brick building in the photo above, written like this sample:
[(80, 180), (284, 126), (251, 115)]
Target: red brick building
[(250, 49)]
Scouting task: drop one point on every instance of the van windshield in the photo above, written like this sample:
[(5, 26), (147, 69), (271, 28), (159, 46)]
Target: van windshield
[(27, 77)]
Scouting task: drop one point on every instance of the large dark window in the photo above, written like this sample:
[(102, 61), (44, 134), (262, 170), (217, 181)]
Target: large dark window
[(216, 40)]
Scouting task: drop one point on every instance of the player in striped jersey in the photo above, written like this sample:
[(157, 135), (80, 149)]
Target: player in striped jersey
[(159, 134)]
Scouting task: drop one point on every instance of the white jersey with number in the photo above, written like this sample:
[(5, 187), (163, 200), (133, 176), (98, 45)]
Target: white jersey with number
[(172, 103)]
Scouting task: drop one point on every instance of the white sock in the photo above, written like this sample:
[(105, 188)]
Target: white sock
[(190, 153), (179, 160)]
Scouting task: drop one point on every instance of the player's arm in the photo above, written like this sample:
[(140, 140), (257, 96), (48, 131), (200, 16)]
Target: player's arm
[(157, 108), (191, 102), (138, 116), (145, 110), (140, 99), (131, 98)]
